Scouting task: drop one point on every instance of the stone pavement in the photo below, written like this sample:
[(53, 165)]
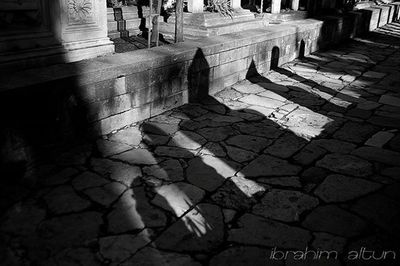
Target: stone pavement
[(306, 156)]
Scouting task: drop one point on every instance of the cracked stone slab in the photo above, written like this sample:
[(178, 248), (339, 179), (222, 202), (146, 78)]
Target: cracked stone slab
[(63, 199), (346, 164), (159, 128), (255, 230), (334, 220), (59, 178), (14, 221), (390, 100), (88, 180), (379, 139), (228, 93), (368, 105), (136, 156), (200, 230), (107, 194), (266, 165), (378, 155), (272, 95), (250, 143), (150, 256), (213, 149), (187, 140), (273, 87), (284, 181), (109, 148), (335, 146), (248, 88), (392, 172), (130, 136), (239, 155), (177, 197), (381, 210), (208, 172), (133, 211), (262, 129), (168, 170), (261, 101), (244, 256), (238, 193), (340, 188), (70, 256), (219, 118), (355, 132), (120, 247), (286, 146), (306, 123), (216, 108), (325, 241), (174, 152), (309, 154), (155, 140), (216, 134), (61, 232), (117, 171), (284, 205)]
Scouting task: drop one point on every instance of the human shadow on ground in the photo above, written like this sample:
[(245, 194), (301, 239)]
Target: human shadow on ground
[(228, 154)]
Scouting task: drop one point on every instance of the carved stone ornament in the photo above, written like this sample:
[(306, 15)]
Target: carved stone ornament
[(80, 11)]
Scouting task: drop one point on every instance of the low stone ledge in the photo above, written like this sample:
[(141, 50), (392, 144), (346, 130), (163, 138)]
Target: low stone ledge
[(122, 89)]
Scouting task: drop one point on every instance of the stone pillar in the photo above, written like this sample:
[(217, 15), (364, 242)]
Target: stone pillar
[(43, 32), (81, 28), (195, 6), (276, 6), (295, 5), (235, 4)]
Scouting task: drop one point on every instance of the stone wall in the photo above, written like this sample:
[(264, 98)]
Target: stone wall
[(189, 71), (115, 91)]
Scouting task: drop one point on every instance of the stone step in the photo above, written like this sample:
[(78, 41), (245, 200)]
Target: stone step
[(131, 24), (127, 13), (285, 17), (212, 24), (207, 19)]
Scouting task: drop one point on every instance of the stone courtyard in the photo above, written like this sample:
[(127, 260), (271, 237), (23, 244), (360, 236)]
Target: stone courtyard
[(305, 156)]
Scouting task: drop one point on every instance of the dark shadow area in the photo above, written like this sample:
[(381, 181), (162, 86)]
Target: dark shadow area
[(302, 49), (198, 77), (275, 58)]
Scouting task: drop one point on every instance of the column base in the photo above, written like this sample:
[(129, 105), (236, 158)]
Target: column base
[(76, 51)]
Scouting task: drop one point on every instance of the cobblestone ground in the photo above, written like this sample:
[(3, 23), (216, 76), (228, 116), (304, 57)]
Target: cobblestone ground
[(307, 155)]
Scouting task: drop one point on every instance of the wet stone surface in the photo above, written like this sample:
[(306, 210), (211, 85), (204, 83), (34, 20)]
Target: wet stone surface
[(303, 156)]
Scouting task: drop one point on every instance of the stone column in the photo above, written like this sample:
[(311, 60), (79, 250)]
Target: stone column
[(276, 6), (195, 6), (81, 28), (235, 4), (295, 5)]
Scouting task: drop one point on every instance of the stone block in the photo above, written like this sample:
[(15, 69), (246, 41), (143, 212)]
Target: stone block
[(233, 55), (102, 90), (159, 75), (115, 122), (230, 68), (137, 81), (164, 104), (384, 15), (392, 9), (109, 107), (141, 96), (373, 20)]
